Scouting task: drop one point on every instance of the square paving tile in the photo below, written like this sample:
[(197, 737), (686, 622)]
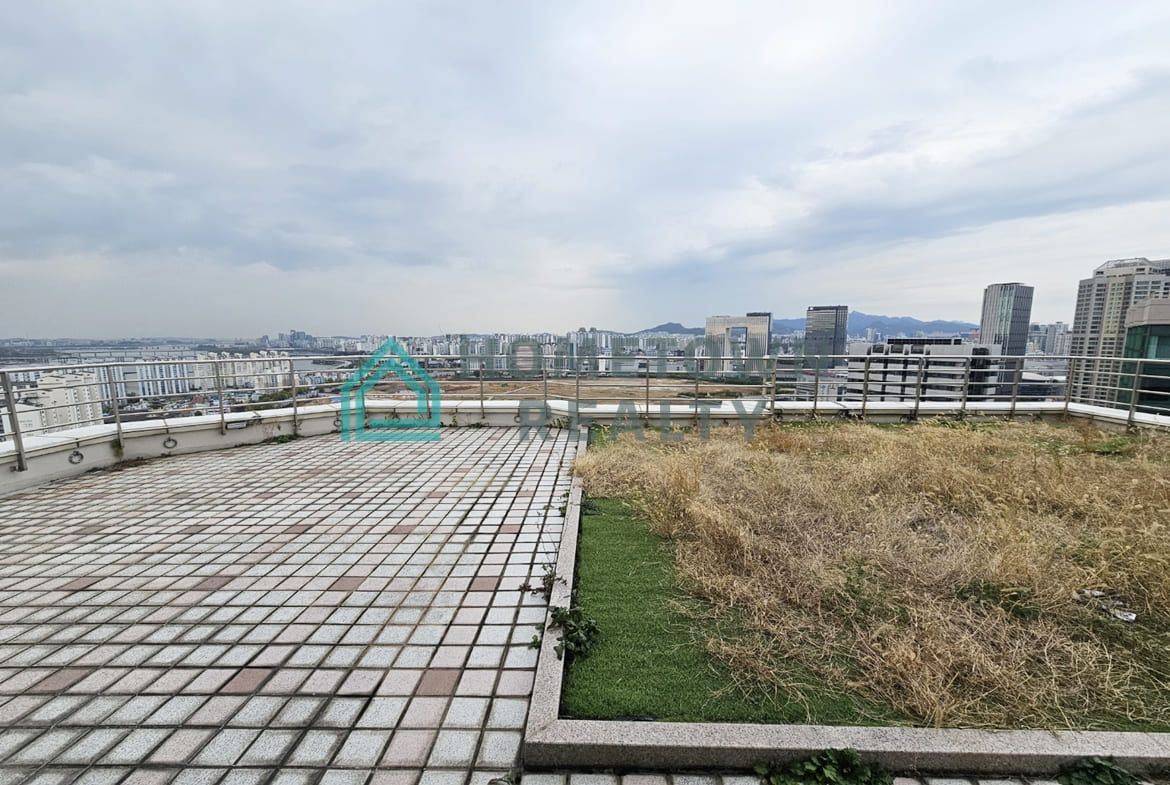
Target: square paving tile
[(439, 681), (409, 748), (362, 748), (454, 748), (316, 748)]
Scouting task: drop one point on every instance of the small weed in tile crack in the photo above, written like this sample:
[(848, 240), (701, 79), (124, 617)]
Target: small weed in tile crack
[(1095, 771), (829, 767), (547, 580), (578, 634)]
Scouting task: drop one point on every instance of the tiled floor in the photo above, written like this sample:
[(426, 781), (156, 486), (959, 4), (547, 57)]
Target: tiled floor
[(312, 612)]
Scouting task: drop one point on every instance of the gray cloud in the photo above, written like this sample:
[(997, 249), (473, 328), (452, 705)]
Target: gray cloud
[(661, 160)]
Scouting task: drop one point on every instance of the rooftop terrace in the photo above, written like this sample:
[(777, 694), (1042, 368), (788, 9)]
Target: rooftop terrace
[(329, 611)]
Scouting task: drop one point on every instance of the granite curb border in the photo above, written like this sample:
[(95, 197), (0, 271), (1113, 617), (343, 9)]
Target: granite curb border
[(551, 742)]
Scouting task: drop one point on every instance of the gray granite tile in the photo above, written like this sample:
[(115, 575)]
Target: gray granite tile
[(44, 748), (226, 747), (135, 746), (269, 748), (499, 749), (316, 748), (454, 748)]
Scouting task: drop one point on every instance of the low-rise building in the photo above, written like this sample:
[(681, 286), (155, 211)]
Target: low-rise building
[(30, 420), (934, 369)]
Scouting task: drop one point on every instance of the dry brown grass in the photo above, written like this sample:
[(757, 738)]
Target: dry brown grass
[(931, 568)]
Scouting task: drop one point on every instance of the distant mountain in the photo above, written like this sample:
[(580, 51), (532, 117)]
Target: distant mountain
[(673, 327), (788, 325), (897, 325), (858, 323), (886, 325)]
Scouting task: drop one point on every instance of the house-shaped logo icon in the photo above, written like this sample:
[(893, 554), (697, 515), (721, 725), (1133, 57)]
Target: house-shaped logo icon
[(390, 358)]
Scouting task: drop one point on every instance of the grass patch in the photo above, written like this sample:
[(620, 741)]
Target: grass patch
[(651, 660), (952, 574)]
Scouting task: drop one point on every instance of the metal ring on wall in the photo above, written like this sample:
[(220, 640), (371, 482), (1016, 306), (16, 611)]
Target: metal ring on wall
[(336, 422), (76, 457), (170, 443)]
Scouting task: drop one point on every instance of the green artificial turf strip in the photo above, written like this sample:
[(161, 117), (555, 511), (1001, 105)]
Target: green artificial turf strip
[(646, 662)]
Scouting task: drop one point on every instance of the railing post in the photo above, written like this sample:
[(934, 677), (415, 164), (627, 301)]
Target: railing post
[(918, 385), (1016, 374), (114, 403), (292, 380), (1133, 393), (647, 386), (865, 385), (18, 440), (775, 366), (696, 389), (219, 395), (966, 385), (817, 383), (1068, 383), (577, 385), (482, 363), (1090, 385), (429, 398), (1118, 367), (544, 378)]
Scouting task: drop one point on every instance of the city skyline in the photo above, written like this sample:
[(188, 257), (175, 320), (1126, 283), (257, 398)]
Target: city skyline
[(895, 325), (217, 169)]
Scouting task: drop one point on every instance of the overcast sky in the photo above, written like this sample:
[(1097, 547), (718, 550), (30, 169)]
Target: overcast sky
[(233, 169)]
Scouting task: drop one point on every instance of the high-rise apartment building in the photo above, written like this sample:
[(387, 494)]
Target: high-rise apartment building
[(1057, 340), (58, 401), (1007, 313), (1103, 301), (69, 399), (1098, 329), (1050, 339), (825, 329)]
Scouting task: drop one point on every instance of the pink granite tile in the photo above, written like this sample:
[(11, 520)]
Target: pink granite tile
[(247, 680)]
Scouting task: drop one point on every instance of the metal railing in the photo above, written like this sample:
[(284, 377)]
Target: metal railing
[(58, 398)]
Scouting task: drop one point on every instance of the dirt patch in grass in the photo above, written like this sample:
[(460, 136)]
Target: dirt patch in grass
[(938, 568)]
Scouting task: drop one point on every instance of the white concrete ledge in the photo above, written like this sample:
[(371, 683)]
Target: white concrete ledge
[(551, 742), (663, 745)]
